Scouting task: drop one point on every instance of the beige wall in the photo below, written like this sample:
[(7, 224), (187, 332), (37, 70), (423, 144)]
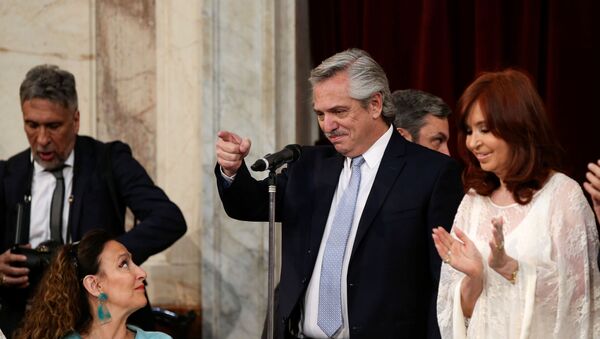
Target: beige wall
[(35, 32), (165, 76)]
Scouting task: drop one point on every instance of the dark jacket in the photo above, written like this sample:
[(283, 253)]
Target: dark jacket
[(161, 222), (394, 268)]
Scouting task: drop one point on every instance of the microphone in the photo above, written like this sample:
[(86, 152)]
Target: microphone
[(289, 153)]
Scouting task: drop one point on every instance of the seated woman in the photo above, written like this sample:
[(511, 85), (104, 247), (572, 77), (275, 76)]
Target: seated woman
[(521, 259), (89, 291)]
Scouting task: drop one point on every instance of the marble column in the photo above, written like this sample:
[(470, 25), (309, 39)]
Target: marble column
[(126, 76), (176, 273), (249, 87)]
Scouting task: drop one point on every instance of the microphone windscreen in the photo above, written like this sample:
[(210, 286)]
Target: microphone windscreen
[(260, 165)]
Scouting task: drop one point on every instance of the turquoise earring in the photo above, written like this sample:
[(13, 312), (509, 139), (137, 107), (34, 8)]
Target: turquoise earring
[(103, 312)]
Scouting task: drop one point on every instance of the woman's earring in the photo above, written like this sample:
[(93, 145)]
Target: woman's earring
[(103, 312)]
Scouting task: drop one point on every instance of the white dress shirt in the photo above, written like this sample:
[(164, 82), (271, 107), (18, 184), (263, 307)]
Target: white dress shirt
[(369, 169), (42, 188)]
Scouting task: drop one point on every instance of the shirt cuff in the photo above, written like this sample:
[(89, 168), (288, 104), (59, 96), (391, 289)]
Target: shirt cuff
[(228, 179)]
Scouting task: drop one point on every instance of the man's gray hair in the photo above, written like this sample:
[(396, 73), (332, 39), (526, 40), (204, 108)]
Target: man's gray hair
[(50, 83), (412, 106), (366, 78)]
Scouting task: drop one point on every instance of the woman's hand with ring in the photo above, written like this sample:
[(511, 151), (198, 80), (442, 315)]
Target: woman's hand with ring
[(497, 256), (460, 253), (498, 260)]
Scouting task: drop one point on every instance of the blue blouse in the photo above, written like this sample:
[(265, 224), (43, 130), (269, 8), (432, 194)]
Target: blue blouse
[(139, 334)]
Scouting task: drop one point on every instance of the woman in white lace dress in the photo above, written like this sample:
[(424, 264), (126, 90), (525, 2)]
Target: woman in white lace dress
[(520, 262)]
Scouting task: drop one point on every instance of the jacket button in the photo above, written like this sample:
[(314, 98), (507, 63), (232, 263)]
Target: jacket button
[(303, 280)]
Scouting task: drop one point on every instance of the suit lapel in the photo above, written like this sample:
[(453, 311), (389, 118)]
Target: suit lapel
[(391, 166), (326, 181), (17, 184), (82, 173)]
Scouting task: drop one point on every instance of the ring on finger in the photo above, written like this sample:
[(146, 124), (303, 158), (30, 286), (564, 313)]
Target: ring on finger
[(500, 246), (2, 279)]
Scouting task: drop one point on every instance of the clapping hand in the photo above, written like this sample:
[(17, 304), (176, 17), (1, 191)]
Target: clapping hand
[(592, 186), (497, 256), (461, 253), (498, 260)]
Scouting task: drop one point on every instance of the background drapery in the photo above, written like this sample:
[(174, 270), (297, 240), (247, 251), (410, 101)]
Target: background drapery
[(441, 45)]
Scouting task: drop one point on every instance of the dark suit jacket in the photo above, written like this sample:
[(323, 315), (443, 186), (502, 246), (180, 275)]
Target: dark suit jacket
[(394, 268), (161, 221)]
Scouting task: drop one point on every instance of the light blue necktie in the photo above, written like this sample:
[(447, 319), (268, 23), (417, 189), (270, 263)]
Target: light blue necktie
[(330, 296)]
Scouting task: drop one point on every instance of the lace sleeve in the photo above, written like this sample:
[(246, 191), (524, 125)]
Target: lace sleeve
[(568, 293), (557, 290), (450, 280)]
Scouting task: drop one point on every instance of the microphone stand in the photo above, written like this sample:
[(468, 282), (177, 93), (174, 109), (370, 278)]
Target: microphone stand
[(271, 278)]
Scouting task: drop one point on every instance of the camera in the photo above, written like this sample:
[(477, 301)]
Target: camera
[(38, 259)]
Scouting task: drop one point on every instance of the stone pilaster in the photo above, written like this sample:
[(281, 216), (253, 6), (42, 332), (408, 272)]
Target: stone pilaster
[(249, 88), (126, 76)]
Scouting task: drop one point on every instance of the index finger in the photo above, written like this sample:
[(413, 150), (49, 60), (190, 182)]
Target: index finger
[(497, 237), (16, 272), (462, 236), (445, 238), (594, 168), (229, 137), (593, 174), (16, 257), (7, 257)]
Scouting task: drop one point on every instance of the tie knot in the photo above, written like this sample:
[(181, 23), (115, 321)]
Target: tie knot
[(57, 172), (357, 161)]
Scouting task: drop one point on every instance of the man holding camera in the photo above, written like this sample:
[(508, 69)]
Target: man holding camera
[(65, 185)]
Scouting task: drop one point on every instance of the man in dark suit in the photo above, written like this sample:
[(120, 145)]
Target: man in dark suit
[(358, 259), (422, 117), (83, 182)]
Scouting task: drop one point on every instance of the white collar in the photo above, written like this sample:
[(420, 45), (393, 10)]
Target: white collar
[(374, 154)]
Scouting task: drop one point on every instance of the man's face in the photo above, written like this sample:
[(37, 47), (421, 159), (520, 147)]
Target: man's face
[(434, 134), (351, 128), (51, 130)]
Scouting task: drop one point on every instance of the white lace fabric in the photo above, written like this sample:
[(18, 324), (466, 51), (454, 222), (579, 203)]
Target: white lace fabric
[(557, 289)]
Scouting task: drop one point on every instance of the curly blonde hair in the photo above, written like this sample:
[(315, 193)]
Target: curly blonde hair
[(60, 304)]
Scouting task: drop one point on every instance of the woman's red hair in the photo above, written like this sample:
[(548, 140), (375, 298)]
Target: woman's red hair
[(514, 112)]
